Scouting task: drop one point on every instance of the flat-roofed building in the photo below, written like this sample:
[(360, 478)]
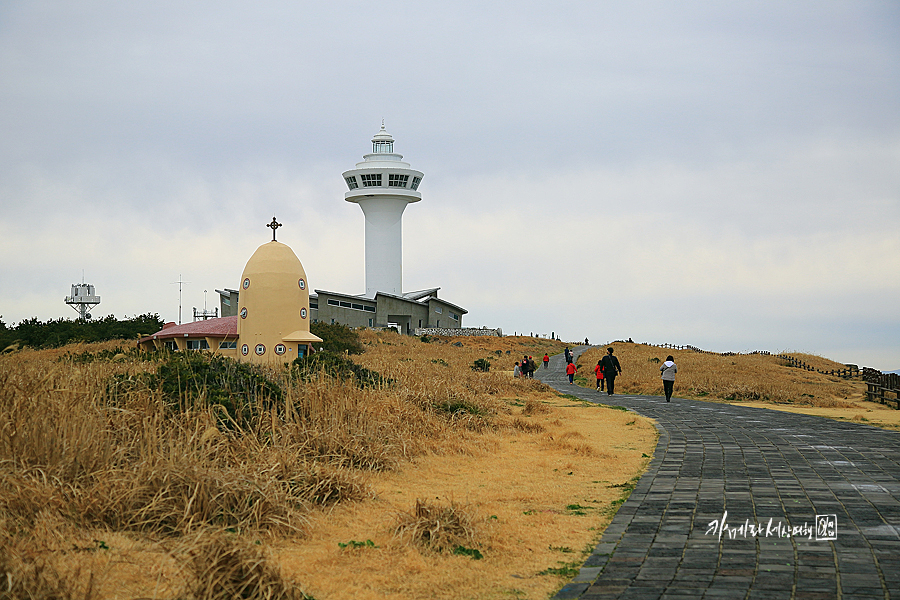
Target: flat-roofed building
[(406, 312)]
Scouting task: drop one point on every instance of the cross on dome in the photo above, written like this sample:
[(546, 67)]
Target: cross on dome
[(274, 225)]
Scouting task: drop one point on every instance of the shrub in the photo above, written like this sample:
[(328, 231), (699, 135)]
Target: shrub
[(337, 338), (54, 333), (481, 364), (188, 378), (334, 365)]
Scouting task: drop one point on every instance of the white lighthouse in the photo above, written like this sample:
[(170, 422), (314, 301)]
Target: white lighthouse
[(383, 185)]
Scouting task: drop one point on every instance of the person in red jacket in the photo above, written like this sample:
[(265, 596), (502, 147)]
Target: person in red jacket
[(546, 360), (570, 371), (599, 371)]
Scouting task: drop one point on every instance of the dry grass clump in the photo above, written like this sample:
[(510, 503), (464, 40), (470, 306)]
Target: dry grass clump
[(437, 526), (533, 407), (27, 575), (742, 377), (226, 566), (526, 425)]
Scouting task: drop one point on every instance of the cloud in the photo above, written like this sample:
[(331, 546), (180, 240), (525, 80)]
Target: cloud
[(719, 175)]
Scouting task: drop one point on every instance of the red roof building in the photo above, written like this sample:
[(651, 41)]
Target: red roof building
[(219, 335)]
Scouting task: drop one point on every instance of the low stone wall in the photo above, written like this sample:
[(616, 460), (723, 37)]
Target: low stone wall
[(420, 331)]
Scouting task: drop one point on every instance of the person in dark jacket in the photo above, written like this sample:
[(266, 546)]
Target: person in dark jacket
[(611, 368)]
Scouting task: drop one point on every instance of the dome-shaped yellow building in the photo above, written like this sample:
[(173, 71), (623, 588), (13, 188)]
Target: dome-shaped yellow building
[(273, 314), (273, 317)]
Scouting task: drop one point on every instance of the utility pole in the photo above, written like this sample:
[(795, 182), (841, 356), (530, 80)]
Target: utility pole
[(180, 284)]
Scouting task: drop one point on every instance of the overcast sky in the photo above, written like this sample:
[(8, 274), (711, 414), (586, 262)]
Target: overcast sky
[(721, 174)]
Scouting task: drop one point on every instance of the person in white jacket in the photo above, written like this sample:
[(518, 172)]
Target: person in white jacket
[(668, 369)]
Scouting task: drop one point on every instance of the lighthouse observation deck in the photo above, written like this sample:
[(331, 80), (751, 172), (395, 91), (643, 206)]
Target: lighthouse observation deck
[(382, 173)]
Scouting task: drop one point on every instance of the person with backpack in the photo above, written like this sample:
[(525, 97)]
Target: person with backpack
[(611, 368)]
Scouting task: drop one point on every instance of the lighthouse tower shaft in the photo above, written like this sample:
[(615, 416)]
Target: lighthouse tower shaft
[(383, 185), (384, 244)]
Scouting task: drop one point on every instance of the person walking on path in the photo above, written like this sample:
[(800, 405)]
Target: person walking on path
[(568, 355), (668, 369), (570, 371), (532, 367), (517, 372), (599, 371), (611, 368), (546, 360)]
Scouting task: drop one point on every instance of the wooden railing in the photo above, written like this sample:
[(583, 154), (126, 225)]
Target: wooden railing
[(849, 372), (879, 384)]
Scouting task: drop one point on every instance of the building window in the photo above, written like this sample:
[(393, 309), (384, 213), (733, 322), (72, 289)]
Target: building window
[(197, 345), (371, 180), (171, 345), (228, 345), (351, 182), (313, 304), (454, 316), (351, 305), (382, 147), (397, 180), (438, 309), (371, 321), (438, 324), (415, 183)]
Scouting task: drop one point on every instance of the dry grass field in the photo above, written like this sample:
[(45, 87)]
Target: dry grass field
[(126, 476), (747, 379), (737, 378)]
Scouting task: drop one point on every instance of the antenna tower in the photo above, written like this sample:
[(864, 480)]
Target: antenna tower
[(83, 299)]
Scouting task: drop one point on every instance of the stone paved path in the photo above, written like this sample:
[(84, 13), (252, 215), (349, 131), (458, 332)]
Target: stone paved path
[(758, 465)]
